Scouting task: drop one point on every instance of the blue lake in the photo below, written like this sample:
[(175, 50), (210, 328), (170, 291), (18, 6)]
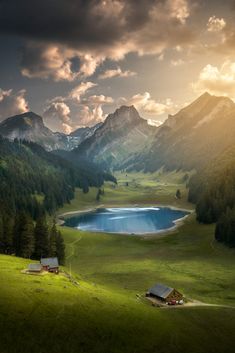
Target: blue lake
[(126, 220)]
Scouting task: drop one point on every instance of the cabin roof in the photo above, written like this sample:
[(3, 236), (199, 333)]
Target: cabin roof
[(50, 261), (34, 267), (160, 290)]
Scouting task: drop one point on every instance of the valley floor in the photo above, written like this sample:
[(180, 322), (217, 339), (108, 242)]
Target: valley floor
[(104, 309)]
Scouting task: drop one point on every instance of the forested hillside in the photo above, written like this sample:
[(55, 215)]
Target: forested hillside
[(213, 190), (35, 181)]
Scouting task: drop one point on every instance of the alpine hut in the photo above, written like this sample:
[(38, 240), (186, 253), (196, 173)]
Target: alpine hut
[(35, 268), (164, 293), (50, 264)]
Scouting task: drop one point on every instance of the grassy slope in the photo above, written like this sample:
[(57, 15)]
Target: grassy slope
[(189, 260), (143, 189), (103, 314)]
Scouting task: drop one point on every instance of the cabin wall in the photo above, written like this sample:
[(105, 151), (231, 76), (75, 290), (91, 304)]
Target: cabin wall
[(54, 270), (174, 295), (45, 268)]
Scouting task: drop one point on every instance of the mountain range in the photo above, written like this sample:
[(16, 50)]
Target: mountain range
[(30, 127), (188, 140), (191, 138), (123, 133)]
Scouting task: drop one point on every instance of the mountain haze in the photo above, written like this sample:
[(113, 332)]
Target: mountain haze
[(190, 138)]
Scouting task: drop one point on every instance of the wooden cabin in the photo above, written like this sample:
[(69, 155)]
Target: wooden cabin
[(164, 293), (35, 268), (50, 264)]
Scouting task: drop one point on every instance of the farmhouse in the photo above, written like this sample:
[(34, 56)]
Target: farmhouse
[(50, 264), (35, 268), (164, 293)]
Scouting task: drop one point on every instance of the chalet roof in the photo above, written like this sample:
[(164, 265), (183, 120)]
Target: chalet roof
[(35, 267), (160, 290), (52, 262)]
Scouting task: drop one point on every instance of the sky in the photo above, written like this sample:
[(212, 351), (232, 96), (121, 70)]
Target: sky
[(75, 61)]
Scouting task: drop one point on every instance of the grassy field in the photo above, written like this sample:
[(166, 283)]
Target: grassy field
[(189, 260), (105, 311), (147, 189)]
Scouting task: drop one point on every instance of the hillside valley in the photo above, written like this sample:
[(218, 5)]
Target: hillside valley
[(117, 176), (101, 289), (105, 298)]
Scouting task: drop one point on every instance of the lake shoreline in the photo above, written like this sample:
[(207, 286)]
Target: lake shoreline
[(177, 223)]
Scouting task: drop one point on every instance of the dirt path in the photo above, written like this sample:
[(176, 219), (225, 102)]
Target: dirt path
[(191, 303), (199, 303)]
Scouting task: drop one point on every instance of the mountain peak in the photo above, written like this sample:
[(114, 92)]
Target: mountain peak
[(18, 121), (28, 126), (125, 113), (127, 107), (31, 115), (205, 95)]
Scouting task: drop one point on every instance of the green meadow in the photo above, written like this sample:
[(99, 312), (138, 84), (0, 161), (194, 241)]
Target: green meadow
[(145, 189), (101, 308)]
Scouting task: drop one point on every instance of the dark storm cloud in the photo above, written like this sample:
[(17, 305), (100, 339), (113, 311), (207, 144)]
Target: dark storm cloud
[(73, 22), (58, 31)]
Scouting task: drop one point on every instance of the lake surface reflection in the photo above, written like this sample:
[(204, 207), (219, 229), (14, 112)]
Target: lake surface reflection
[(137, 220)]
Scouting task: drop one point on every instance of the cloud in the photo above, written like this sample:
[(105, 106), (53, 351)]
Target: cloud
[(59, 113), (12, 103), (44, 61), (179, 9), (91, 32), (226, 46), (116, 73), (90, 116), (80, 90), (177, 62), (218, 81), (153, 122), (215, 24), (91, 112), (87, 109), (149, 106), (100, 99), (40, 60)]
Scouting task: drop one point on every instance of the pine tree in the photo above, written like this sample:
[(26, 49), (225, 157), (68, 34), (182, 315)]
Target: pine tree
[(8, 226), (53, 241), (225, 228), (41, 238), (178, 194), (27, 241), (19, 224), (1, 235), (98, 195), (85, 186)]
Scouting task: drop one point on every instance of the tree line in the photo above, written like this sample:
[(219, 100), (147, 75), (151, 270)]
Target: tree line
[(36, 181), (213, 191), (23, 237), (225, 228)]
